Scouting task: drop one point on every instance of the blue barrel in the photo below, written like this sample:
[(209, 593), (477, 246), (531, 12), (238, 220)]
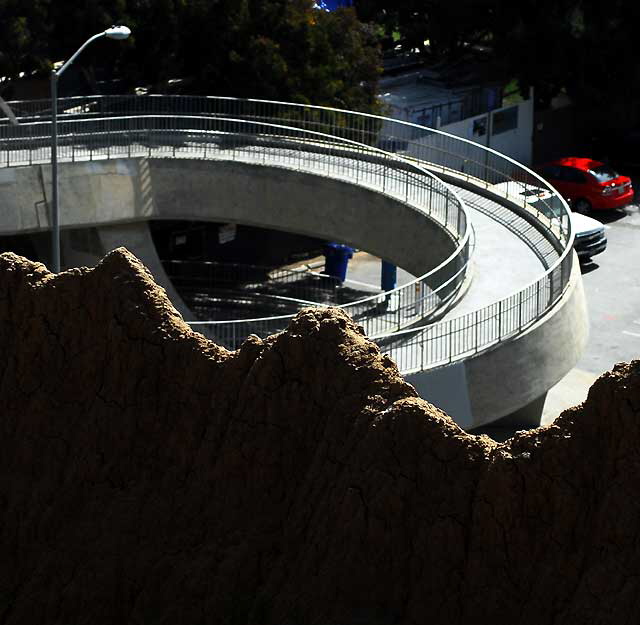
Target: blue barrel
[(336, 260), (388, 276)]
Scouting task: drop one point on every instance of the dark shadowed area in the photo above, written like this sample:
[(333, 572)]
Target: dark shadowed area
[(149, 476)]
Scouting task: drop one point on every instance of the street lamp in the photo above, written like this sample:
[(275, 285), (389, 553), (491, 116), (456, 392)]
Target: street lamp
[(115, 32)]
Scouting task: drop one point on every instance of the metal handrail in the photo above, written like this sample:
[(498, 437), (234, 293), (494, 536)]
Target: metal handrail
[(282, 146), (442, 342), (472, 161), (302, 286)]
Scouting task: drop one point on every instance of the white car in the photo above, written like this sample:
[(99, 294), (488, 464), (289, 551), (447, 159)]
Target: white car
[(590, 238)]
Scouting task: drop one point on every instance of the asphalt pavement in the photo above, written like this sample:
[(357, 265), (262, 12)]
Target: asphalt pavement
[(612, 288)]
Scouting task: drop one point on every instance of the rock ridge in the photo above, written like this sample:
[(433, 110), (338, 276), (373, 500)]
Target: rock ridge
[(150, 476)]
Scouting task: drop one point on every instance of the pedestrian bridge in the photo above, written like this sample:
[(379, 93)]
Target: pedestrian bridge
[(408, 194)]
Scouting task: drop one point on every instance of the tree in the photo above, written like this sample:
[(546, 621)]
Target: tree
[(24, 30), (440, 29), (606, 72), (585, 49), (282, 50), (534, 43), (277, 49)]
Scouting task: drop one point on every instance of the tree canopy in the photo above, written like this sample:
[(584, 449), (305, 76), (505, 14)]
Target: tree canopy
[(289, 50), (585, 49), (277, 49)]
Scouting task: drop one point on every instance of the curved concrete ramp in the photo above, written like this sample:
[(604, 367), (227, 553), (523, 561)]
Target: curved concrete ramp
[(100, 193), (491, 342), (514, 374)]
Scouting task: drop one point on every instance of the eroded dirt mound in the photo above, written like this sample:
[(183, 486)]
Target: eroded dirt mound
[(149, 476)]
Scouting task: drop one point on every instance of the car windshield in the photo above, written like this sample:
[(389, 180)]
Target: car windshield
[(603, 173), (530, 192), (551, 206)]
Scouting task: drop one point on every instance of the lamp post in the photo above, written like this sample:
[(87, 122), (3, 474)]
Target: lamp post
[(115, 32)]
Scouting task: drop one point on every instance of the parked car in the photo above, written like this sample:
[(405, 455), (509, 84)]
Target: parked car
[(589, 233), (590, 238), (587, 184)]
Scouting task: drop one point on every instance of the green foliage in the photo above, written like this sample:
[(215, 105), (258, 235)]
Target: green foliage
[(448, 27), (586, 49), (24, 31), (283, 50), (272, 49)]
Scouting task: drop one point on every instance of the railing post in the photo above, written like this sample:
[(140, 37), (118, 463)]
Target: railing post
[(450, 340), (446, 211), (563, 272), (475, 338), (384, 178), (431, 197), (406, 186), (520, 311)]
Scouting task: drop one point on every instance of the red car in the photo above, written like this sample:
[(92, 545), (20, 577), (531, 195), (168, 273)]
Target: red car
[(587, 184)]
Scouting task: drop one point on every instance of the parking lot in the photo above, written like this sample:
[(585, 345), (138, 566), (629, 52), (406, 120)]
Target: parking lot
[(612, 288)]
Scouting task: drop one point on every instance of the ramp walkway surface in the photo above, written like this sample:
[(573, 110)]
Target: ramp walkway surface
[(522, 293)]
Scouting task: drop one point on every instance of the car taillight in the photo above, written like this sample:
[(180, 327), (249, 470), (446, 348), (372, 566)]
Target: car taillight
[(606, 190)]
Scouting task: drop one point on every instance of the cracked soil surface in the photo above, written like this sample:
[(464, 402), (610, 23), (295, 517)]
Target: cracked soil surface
[(150, 476)]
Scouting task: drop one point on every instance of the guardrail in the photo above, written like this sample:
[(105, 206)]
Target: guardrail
[(90, 138), (298, 284), (215, 290), (455, 339), (435, 150)]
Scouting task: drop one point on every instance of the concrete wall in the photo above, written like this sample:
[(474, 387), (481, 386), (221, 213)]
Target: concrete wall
[(86, 246), (513, 374), (132, 190), (517, 372), (306, 204)]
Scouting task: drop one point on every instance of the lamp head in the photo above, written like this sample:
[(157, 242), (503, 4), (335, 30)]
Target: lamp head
[(117, 32)]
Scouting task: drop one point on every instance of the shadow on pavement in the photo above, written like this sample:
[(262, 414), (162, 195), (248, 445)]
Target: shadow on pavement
[(588, 266), (610, 216)]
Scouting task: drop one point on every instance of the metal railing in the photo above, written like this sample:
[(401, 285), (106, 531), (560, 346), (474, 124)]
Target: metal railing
[(189, 136), (217, 290), (435, 149), (458, 159), (458, 338)]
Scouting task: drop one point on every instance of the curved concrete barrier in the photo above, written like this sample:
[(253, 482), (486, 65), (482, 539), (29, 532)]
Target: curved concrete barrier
[(120, 191), (505, 353), (515, 373)]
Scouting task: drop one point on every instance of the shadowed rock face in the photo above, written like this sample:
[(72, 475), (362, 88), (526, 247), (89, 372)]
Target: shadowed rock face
[(149, 476)]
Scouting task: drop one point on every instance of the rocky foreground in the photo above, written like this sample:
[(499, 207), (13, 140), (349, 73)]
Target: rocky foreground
[(149, 476)]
